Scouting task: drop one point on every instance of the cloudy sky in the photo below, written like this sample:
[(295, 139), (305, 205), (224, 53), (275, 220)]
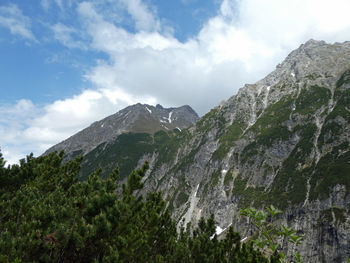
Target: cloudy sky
[(67, 63)]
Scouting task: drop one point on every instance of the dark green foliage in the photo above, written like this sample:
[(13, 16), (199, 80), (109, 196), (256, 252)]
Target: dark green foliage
[(313, 76), (269, 127), (248, 194), (11, 179), (204, 246), (228, 178), (187, 161), (227, 139), (210, 119), (167, 144), (332, 169), (125, 152), (215, 177), (239, 185), (289, 186), (345, 78), (75, 154), (249, 151), (48, 215), (312, 99), (341, 108), (339, 215), (128, 148), (329, 132), (181, 198)]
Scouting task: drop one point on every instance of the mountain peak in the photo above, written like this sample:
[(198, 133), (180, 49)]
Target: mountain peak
[(137, 118), (311, 59), (312, 42)]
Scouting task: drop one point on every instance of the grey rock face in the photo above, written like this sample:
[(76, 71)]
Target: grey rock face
[(138, 118), (284, 141)]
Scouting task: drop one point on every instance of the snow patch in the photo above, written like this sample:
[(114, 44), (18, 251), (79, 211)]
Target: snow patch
[(178, 129), (162, 121), (268, 88), (102, 125), (218, 230), (292, 74), (169, 118), (223, 172), (150, 112)]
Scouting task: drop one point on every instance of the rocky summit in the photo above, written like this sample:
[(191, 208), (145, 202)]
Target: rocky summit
[(138, 118), (284, 140)]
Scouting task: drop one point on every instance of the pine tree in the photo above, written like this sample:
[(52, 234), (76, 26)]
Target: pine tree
[(48, 215)]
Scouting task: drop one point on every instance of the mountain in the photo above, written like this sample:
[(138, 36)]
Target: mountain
[(283, 141), (124, 137)]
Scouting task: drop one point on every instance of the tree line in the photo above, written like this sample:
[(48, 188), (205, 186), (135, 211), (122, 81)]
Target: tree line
[(48, 215)]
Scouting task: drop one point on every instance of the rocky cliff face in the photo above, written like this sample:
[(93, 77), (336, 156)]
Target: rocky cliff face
[(284, 141)]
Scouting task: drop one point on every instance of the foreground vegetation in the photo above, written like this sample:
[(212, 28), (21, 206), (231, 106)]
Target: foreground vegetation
[(47, 215)]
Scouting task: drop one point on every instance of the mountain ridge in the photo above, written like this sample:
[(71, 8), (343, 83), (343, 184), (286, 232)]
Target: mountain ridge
[(137, 118), (284, 140)]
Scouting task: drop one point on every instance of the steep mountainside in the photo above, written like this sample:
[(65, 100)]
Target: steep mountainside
[(123, 138), (284, 141)]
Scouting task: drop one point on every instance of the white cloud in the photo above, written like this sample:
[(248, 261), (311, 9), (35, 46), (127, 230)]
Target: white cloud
[(12, 18), (141, 14), (198, 72), (26, 128), (67, 36), (66, 117), (241, 44), (227, 8), (14, 119)]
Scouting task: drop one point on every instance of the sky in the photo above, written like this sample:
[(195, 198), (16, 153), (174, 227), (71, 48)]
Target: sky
[(67, 63)]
